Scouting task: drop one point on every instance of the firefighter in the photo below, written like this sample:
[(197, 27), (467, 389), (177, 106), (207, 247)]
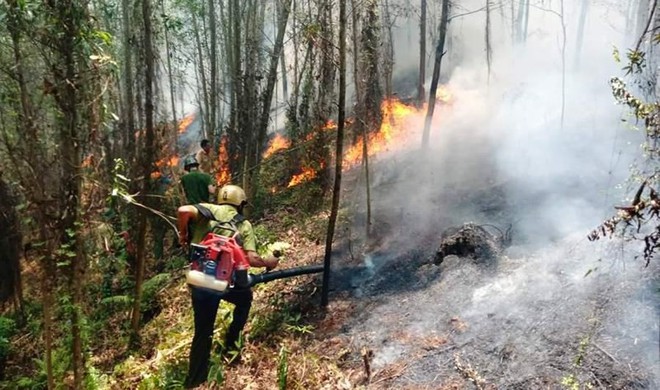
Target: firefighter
[(197, 186), (204, 157), (192, 223)]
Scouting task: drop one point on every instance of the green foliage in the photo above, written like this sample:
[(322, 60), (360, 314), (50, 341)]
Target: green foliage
[(7, 330), (150, 290), (117, 303), (641, 219), (170, 375), (175, 263), (284, 318), (216, 369), (282, 368), (636, 62)]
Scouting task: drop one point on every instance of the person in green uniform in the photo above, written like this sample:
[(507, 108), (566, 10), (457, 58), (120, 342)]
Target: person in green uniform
[(197, 186), (193, 223)]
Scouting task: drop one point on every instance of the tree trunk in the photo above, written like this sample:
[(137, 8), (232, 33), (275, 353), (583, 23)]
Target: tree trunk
[(272, 78), (439, 52), (67, 96), (170, 78), (213, 100), (563, 62), (128, 111), (389, 50), (147, 163), (285, 83), (338, 153), (580, 32), (489, 49), (421, 98), (373, 95), (202, 75)]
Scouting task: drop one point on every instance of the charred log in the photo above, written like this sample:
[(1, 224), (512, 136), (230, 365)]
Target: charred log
[(473, 241)]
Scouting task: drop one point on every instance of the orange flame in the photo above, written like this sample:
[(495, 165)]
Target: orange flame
[(185, 122), (306, 175), (223, 175), (398, 118), (276, 144), (401, 124), (168, 162)]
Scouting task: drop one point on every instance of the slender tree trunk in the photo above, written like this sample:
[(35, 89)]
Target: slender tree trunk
[(439, 53), (526, 22), (285, 86), (202, 75), (580, 33), (128, 47), (489, 50), (47, 301), (170, 77), (421, 93), (146, 166), (563, 62), (67, 96), (389, 50), (272, 77), (338, 153), (214, 70)]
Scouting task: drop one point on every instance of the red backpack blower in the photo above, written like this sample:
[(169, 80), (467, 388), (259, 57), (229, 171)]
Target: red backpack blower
[(218, 261)]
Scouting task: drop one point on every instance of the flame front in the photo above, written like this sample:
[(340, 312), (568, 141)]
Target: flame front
[(397, 118), (276, 144), (306, 175), (168, 162), (401, 125), (185, 122), (223, 175)]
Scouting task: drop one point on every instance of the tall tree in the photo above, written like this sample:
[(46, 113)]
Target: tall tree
[(213, 99), (147, 165), (127, 72), (487, 37), (439, 53), (421, 94), (267, 96), (580, 33), (167, 25), (339, 152)]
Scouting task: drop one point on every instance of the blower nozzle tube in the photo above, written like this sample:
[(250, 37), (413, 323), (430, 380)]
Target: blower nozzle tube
[(254, 279)]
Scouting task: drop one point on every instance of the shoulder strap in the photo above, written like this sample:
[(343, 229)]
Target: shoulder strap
[(233, 222), (206, 213)]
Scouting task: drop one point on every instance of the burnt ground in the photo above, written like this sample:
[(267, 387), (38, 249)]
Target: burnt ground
[(551, 313)]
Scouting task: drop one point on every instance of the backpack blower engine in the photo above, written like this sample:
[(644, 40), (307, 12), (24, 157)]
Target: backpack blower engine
[(219, 262)]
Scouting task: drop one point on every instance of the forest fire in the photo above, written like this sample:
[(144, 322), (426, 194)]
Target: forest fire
[(223, 175), (276, 144), (185, 122), (400, 124), (398, 118), (168, 162), (306, 175)]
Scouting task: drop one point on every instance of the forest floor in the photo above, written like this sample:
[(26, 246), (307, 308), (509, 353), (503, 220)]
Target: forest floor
[(553, 314), (558, 313)]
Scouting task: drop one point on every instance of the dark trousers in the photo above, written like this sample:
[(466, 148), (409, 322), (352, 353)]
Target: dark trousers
[(205, 307)]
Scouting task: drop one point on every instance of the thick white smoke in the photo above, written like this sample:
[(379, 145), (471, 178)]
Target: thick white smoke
[(546, 145)]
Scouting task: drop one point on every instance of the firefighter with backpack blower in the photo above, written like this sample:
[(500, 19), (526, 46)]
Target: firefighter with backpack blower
[(222, 248)]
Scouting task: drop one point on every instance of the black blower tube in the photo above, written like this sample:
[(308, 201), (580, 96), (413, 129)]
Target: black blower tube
[(285, 273)]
